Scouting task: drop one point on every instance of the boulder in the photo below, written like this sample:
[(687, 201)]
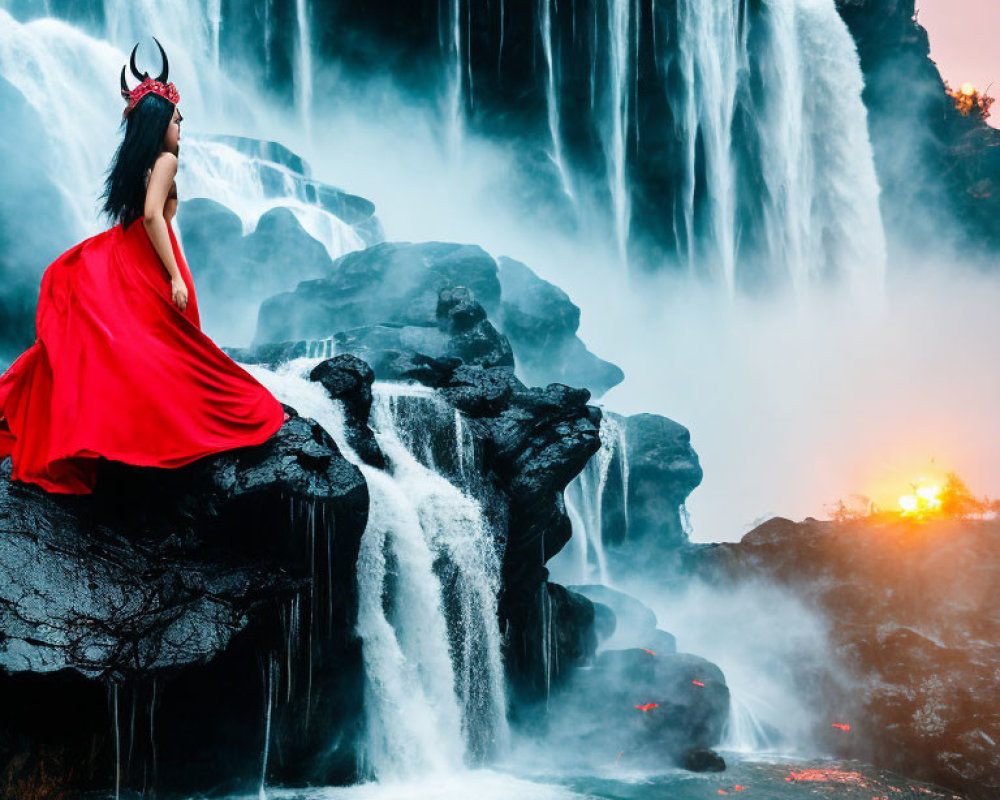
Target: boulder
[(156, 600), (542, 322), (392, 282), (649, 707), (349, 379)]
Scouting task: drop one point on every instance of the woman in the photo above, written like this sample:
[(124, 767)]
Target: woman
[(120, 368)]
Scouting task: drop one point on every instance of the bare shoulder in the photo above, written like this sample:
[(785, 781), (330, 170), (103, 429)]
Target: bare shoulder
[(166, 163)]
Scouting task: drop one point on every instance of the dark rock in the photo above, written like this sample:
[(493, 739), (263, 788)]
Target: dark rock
[(401, 352), (663, 470), (480, 392), (349, 379), (554, 636), (173, 587), (542, 322), (651, 458), (471, 336), (649, 707), (701, 759)]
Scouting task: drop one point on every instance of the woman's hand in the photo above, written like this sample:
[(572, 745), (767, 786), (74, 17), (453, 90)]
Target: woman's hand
[(179, 293)]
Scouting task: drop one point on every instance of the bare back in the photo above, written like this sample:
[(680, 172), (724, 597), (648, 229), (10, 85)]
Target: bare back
[(156, 185)]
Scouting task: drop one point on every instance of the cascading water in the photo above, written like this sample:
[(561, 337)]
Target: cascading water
[(820, 216), (752, 90), (36, 56), (552, 101), (428, 578), (618, 117), (585, 505), (303, 64), (712, 53)]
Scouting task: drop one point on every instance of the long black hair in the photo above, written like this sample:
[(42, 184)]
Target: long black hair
[(146, 125)]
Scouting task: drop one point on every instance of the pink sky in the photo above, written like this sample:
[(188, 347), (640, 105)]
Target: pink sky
[(965, 41)]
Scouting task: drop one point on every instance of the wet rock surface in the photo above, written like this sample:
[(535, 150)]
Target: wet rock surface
[(398, 304), (168, 590)]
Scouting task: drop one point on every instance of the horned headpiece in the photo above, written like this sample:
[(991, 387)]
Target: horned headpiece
[(156, 85)]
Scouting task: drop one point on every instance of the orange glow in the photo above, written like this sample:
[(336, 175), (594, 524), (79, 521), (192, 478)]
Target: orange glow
[(969, 100), (648, 706), (697, 683), (648, 651), (722, 791), (841, 725), (827, 776), (739, 788), (924, 501), (946, 496)]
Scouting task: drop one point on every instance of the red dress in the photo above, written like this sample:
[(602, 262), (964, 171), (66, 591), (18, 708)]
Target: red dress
[(118, 371)]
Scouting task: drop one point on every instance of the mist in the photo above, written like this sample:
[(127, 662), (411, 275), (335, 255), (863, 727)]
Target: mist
[(794, 401)]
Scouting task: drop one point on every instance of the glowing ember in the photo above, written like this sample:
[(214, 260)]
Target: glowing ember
[(827, 776), (739, 788), (620, 754), (841, 725), (969, 100), (722, 791), (646, 649), (648, 706), (697, 683)]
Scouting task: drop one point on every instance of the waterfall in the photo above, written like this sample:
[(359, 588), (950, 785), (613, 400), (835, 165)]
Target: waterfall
[(456, 110), (585, 497), (618, 119), (552, 100), (303, 64), (36, 57), (461, 540), (711, 53), (214, 16), (250, 186), (819, 214), (744, 732), (428, 576)]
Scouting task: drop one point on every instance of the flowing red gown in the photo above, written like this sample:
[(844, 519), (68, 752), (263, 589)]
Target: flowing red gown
[(118, 371)]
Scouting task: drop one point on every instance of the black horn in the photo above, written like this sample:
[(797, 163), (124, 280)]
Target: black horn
[(166, 65), (126, 92), (139, 76)]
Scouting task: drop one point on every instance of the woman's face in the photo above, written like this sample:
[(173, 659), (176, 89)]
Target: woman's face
[(172, 138)]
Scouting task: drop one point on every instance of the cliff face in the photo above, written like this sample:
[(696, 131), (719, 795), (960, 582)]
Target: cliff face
[(914, 616), (939, 170)]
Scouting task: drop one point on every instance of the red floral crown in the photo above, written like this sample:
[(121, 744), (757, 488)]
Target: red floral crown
[(157, 85)]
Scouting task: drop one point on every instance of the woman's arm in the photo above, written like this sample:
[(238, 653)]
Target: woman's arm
[(155, 223)]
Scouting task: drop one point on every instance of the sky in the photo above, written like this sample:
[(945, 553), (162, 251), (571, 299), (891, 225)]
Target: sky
[(965, 41)]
